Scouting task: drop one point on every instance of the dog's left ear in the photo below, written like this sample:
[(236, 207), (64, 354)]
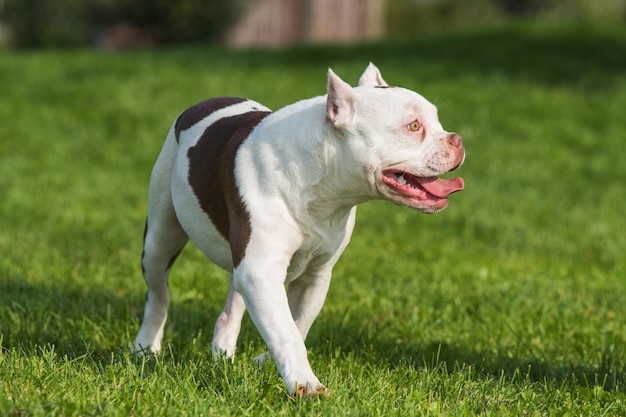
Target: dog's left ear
[(372, 77), (340, 101)]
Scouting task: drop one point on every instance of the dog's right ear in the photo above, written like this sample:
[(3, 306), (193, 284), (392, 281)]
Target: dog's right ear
[(372, 77), (340, 101)]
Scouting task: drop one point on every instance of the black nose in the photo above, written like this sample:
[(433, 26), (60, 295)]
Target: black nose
[(455, 140)]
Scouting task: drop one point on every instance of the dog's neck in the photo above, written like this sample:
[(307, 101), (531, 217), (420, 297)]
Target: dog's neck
[(315, 166)]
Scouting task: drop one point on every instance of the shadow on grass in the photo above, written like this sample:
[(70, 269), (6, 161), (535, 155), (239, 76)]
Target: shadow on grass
[(72, 320), (451, 357), (78, 321), (94, 323)]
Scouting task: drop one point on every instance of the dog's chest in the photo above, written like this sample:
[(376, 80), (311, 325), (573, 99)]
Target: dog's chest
[(307, 259), (322, 245)]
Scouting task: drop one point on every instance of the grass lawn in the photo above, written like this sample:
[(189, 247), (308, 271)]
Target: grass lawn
[(510, 302)]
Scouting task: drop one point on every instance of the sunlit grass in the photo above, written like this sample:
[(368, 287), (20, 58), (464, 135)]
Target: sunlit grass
[(510, 302)]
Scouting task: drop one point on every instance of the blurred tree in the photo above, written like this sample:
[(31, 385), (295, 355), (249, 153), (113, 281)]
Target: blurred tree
[(405, 17), (46, 22), (42, 23), (408, 17), (201, 19)]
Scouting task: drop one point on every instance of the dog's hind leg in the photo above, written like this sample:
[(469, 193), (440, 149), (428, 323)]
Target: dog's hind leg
[(164, 238), (228, 324), (306, 297)]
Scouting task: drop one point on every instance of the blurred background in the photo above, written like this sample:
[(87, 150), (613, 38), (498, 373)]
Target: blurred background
[(120, 24)]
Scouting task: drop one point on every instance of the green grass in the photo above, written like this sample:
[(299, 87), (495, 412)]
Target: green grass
[(510, 302)]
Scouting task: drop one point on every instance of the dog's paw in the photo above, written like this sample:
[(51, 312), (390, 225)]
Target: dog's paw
[(262, 359), (140, 350), (308, 391), (222, 355)]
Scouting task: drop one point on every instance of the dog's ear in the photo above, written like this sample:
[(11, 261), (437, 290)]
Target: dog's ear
[(340, 101), (371, 77)]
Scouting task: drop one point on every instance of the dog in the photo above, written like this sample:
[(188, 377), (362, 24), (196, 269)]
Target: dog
[(271, 198)]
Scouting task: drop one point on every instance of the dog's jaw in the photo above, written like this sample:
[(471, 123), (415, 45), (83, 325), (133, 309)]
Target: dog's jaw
[(425, 194)]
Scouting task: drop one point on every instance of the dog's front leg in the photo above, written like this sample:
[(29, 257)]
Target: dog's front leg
[(306, 297), (262, 286)]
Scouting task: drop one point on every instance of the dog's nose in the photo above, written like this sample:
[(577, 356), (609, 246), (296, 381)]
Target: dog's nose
[(455, 140)]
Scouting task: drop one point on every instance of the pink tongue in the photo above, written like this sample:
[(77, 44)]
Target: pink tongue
[(441, 188)]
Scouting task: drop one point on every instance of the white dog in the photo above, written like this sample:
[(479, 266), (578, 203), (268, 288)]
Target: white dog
[(270, 197)]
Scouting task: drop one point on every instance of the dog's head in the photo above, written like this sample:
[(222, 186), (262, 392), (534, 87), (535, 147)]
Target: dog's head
[(395, 136)]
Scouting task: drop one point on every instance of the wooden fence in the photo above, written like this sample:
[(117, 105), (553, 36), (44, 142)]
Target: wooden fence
[(286, 22)]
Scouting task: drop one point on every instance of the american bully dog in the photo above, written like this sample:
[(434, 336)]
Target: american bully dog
[(271, 198)]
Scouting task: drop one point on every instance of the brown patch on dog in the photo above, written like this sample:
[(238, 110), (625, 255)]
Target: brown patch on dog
[(212, 177), (195, 113)]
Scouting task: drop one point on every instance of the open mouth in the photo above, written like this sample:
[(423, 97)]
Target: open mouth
[(422, 193)]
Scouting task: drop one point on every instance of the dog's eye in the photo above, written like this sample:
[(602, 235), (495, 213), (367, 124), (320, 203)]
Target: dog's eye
[(414, 126)]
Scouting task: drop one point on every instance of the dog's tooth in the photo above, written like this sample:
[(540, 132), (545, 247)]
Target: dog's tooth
[(401, 179)]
